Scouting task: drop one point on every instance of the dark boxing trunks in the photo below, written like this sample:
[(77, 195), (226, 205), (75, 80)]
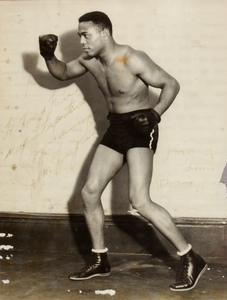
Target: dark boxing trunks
[(121, 135)]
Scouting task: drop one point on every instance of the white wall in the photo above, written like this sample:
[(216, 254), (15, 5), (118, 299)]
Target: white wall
[(49, 129)]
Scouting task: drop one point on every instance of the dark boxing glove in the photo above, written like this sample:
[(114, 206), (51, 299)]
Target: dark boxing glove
[(145, 122), (47, 45)]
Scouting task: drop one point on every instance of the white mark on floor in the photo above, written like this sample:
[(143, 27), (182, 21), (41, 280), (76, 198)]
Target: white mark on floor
[(8, 257), (6, 247), (4, 235), (9, 235), (6, 281), (104, 292)]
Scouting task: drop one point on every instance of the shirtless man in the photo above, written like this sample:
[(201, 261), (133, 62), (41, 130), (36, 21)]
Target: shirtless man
[(124, 76)]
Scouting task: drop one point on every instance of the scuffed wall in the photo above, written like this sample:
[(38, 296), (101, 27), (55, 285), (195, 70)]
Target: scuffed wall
[(50, 129)]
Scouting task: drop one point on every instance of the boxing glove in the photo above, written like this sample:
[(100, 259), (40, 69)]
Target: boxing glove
[(145, 121), (47, 45)]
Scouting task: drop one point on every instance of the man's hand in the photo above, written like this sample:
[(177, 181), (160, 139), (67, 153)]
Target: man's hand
[(146, 121), (47, 45)]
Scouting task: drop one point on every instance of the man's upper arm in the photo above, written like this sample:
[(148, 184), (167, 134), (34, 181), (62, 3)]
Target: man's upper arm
[(148, 71), (74, 68)]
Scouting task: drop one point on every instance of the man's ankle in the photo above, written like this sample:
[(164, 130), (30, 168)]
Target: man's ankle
[(104, 250), (181, 253)]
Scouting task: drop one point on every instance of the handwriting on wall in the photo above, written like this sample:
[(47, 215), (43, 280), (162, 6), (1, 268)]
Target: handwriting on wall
[(48, 138), (201, 157), (189, 162)]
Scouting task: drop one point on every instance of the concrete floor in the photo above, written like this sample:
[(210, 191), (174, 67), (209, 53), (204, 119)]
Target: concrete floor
[(40, 275)]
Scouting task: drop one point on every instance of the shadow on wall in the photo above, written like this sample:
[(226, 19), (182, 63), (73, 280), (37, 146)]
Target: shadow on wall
[(70, 48)]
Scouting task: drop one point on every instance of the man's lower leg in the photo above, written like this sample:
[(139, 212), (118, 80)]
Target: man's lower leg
[(192, 266)]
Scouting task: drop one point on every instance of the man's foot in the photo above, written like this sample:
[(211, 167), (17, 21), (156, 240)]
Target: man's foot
[(100, 266), (191, 267)]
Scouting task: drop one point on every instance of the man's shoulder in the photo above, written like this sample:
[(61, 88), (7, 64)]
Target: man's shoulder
[(127, 51), (134, 58), (132, 54)]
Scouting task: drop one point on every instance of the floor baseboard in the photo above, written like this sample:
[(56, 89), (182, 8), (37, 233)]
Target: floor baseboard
[(123, 234)]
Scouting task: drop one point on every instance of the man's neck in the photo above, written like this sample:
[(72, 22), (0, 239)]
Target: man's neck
[(106, 57)]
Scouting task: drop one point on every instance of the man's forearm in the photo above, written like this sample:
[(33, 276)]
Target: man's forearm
[(56, 68), (167, 96)]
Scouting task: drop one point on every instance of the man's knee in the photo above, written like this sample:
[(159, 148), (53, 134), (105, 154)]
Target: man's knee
[(87, 192), (139, 198), (90, 193)]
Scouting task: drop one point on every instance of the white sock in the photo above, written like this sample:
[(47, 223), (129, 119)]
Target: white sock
[(185, 251), (99, 250)]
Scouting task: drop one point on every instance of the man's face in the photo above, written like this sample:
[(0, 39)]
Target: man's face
[(91, 38)]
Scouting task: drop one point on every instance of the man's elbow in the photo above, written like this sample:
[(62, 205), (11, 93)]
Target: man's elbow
[(62, 78), (59, 78), (176, 86)]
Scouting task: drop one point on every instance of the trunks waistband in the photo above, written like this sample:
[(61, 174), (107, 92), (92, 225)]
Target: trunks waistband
[(114, 117)]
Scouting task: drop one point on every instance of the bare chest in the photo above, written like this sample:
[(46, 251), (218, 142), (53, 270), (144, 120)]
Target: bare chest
[(115, 81)]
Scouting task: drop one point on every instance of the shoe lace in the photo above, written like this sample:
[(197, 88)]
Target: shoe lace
[(183, 270), (89, 266)]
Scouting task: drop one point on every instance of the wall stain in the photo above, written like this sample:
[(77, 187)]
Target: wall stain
[(14, 167)]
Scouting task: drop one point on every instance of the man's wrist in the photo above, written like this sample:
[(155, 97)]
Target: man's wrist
[(47, 57), (50, 59), (156, 114)]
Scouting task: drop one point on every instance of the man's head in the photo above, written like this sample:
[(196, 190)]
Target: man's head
[(99, 19), (95, 31)]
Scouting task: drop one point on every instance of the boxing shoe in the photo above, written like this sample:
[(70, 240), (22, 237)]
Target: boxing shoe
[(99, 266), (191, 267)]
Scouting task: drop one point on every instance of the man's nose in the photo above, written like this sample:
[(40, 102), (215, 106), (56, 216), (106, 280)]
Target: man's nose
[(82, 40)]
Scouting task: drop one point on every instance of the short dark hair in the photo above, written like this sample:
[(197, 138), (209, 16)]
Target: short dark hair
[(98, 18)]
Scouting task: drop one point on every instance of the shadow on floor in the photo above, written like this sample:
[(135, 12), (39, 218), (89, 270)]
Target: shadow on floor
[(35, 275)]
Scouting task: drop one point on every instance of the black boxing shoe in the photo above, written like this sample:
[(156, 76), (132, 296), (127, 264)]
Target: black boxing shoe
[(191, 267), (100, 266)]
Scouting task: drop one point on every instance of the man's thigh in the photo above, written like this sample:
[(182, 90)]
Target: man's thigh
[(105, 165), (140, 164)]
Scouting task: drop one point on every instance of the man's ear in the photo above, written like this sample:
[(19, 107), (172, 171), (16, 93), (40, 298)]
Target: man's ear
[(105, 33)]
